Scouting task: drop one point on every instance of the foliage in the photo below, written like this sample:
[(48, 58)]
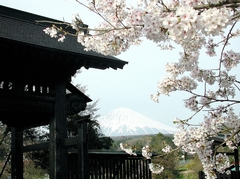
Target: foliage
[(32, 171), (191, 168), (4, 150), (194, 26), (36, 160), (188, 175), (160, 141), (194, 164), (170, 162)]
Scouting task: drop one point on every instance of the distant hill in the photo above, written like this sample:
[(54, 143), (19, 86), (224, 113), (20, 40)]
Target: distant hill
[(116, 138), (155, 141), (124, 121)]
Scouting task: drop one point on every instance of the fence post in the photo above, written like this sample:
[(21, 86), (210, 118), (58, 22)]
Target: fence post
[(83, 167)]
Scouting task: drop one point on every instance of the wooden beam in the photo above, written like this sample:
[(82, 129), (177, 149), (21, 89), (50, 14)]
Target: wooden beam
[(45, 145), (36, 147), (70, 141)]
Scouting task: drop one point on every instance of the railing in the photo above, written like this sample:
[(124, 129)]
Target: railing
[(233, 175), (112, 165)]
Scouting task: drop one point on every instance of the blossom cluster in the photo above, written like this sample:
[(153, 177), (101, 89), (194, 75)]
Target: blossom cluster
[(167, 149), (53, 33), (124, 25), (231, 59), (156, 168), (146, 152), (199, 139), (128, 149)]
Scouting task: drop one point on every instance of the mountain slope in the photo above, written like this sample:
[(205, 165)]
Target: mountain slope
[(124, 121)]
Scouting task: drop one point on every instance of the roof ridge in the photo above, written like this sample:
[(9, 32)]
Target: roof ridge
[(32, 18), (25, 16)]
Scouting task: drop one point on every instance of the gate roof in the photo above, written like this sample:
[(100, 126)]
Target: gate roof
[(28, 54)]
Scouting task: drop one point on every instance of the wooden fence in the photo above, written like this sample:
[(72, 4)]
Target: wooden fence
[(112, 165), (233, 175)]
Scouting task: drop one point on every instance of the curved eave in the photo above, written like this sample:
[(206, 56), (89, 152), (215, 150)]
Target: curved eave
[(36, 63)]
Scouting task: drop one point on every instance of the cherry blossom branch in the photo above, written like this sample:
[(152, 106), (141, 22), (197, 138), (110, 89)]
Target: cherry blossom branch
[(214, 100), (237, 86), (228, 139), (185, 121), (163, 4), (60, 29), (96, 11), (224, 46), (233, 3), (168, 153)]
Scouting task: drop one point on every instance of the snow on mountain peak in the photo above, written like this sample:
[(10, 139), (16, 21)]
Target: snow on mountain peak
[(124, 121)]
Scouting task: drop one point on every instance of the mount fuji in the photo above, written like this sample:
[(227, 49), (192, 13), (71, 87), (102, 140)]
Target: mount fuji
[(124, 121)]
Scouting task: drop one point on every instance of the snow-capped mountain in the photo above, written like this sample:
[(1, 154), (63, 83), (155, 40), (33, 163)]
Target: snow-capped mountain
[(124, 121)]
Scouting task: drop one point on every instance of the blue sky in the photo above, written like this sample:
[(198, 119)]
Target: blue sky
[(130, 87)]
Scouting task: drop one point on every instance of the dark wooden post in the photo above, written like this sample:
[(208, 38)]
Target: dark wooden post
[(17, 155), (236, 156), (83, 162), (58, 160)]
